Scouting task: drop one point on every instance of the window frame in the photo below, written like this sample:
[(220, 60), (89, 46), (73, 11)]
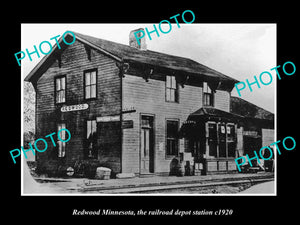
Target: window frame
[(89, 155), (175, 89), (85, 72), (231, 139), (207, 92), (55, 89), (214, 138), (167, 138), (228, 140), (91, 121), (59, 126)]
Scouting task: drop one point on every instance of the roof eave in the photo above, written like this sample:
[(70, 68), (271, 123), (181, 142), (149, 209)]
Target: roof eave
[(206, 76), (38, 70)]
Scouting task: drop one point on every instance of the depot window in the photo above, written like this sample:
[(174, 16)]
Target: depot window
[(171, 89), (172, 137), (207, 95), (91, 139), (61, 145), (90, 78), (221, 139), (60, 89)]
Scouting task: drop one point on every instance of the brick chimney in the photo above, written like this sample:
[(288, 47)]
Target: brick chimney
[(133, 42)]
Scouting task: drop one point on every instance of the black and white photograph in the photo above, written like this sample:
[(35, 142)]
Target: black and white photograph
[(130, 109), (143, 112)]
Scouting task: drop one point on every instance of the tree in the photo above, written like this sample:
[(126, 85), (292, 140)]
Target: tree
[(29, 108)]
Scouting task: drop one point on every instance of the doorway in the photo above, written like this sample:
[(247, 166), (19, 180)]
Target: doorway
[(147, 144), (251, 144)]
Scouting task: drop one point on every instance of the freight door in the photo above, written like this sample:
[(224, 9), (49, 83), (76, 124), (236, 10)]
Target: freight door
[(147, 145)]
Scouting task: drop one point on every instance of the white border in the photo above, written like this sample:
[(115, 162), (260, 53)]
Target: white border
[(83, 194)]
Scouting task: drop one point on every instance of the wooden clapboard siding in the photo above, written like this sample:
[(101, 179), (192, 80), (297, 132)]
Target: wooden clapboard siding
[(222, 100), (74, 62), (149, 98)]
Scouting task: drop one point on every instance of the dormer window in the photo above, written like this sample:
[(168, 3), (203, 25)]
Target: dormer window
[(208, 96)]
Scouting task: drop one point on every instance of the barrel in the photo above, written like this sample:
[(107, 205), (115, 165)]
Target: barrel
[(180, 170)]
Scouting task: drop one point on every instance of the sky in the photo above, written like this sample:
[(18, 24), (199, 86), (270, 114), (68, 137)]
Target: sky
[(240, 51)]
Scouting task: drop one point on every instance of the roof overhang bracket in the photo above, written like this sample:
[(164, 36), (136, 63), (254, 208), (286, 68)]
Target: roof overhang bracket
[(57, 56), (88, 52), (123, 68), (181, 78), (214, 85), (147, 72)]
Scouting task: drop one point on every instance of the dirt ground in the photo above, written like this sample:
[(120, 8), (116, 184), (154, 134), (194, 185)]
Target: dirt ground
[(222, 189)]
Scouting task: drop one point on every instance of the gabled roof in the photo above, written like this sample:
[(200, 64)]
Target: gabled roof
[(129, 54), (249, 110), (132, 54)]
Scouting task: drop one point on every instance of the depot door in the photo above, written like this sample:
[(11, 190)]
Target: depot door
[(147, 145)]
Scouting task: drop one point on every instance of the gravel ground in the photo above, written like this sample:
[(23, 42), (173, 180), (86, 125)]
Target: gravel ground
[(222, 189), (68, 186)]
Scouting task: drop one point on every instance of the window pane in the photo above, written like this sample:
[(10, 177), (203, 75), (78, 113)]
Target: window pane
[(60, 89), (222, 149), (168, 147), (168, 94), (63, 149), (145, 123), (87, 92), (94, 126), (59, 148), (207, 99), (212, 131), (63, 83), (172, 95), (62, 135), (172, 147), (222, 131), (61, 145), (57, 84), (87, 79), (172, 137), (142, 142), (168, 81), (57, 97), (173, 82), (93, 77), (212, 148), (208, 96), (88, 128), (63, 99), (231, 149), (208, 90), (147, 143), (60, 96), (230, 132), (172, 129), (204, 99), (204, 87), (93, 91)]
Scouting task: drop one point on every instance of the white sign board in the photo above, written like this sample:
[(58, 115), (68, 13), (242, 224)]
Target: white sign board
[(70, 108), (108, 118)]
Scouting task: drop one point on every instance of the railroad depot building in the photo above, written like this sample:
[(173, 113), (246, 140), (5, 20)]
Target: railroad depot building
[(133, 110)]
